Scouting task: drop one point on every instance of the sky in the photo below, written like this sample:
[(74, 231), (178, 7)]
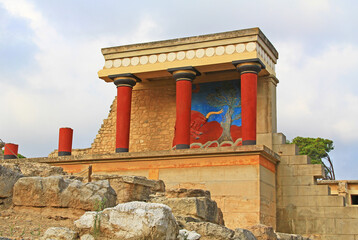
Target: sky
[(50, 53)]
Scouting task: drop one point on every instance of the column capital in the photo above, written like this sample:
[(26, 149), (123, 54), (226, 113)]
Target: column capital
[(249, 65), (184, 73), (126, 79)]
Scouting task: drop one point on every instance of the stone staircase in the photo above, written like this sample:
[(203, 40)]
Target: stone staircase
[(305, 208)]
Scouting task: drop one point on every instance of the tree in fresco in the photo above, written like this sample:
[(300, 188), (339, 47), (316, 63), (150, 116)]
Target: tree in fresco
[(226, 95)]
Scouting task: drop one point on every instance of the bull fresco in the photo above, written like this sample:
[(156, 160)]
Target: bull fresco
[(216, 114)]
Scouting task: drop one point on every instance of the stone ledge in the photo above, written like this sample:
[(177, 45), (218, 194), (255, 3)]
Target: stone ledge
[(164, 155)]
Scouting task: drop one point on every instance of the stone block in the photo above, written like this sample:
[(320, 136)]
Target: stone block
[(201, 208), (233, 188), (132, 188), (8, 178), (264, 139), (299, 159), (263, 232), (285, 149), (55, 191), (296, 181), (311, 190), (314, 201), (134, 220), (346, 226), (278, 138), (60, 233), (183, 192)]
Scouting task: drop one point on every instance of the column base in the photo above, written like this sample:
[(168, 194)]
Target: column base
[(60, 154), (119, 150), (182, 146), (249, 142), (10, 157)]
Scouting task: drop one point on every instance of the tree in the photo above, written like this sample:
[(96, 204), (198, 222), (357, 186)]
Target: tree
[(226, 95), (317, 149)]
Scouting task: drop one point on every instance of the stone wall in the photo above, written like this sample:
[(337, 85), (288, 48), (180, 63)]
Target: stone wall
[(306, 208), (152, 121)]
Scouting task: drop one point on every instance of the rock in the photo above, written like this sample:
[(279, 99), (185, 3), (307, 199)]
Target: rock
[(32, 169), (87, 237), (210, 231), (183, 193), (284, 236), (59, 233), (188, 235), (263, 232), (132, 188), (133, 220), (8, 178), (201, 208), (56, 191), (287, 236), (244, 234)]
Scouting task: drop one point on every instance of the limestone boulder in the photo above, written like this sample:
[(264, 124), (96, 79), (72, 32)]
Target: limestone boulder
[(201, 208), (59, 233), (132, 188), (263, 232), (133, 220), (184, 193), (57, 191), (210, 231), (8, 178), (244, 234), (32, 169), (287, 236), (188, 235)]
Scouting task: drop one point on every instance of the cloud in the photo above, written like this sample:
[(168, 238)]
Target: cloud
[(61, 88)]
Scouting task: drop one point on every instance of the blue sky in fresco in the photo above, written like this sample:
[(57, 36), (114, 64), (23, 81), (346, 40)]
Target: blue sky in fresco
[(199, 101), (50, 52)]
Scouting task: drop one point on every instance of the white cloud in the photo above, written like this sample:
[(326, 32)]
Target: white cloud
[(62, 87), (318, 93)]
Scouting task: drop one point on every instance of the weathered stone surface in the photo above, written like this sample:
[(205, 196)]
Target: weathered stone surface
[(287, 236), (263, 232), (244, 234), (132, 188), (201, 208), (134, 220), (32, 169), (188, 235), (59, 233), (210, 231), (183, 192), (87, 237), (8, 178), (56, 191)]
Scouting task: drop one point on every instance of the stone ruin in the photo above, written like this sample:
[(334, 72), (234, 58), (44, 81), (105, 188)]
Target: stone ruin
[(129, 207)]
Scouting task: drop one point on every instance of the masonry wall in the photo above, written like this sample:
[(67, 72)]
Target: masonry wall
[(303, 207), (152, 121)]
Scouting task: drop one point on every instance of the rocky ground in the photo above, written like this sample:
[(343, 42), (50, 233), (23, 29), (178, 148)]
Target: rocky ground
[(38, 201), (29, 224)]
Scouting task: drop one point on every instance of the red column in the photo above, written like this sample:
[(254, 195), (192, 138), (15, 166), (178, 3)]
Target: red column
[(124, 83), (10, 151), (184, 77), (65, 142), (249, 70)]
